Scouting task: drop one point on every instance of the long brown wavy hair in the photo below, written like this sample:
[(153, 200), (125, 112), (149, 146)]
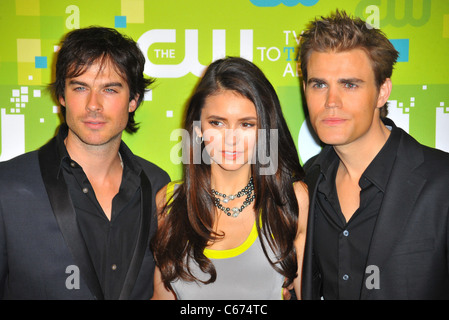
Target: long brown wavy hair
[(187, 229)]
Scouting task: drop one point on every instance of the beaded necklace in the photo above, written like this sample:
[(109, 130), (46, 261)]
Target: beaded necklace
[(235, 211)]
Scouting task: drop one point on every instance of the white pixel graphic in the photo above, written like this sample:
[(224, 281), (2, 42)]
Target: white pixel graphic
[(442, 128), (13, 135), (13, 125), (399, 113)]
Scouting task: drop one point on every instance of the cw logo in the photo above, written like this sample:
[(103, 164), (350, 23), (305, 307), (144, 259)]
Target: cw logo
[(190, 62), (288, 3)]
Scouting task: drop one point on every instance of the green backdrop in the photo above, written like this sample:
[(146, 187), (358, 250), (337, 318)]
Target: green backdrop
[(179, 38)]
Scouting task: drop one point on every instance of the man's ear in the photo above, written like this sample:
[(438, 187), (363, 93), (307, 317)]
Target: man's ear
[(62, 101), (132, 106), (384, 93)]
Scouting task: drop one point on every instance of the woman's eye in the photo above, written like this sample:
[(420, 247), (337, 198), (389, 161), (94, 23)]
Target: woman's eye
[(215, 123), (248, 125)]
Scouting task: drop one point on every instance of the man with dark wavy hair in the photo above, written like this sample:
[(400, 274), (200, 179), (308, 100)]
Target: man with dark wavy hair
[(379, 204), (76, 216)]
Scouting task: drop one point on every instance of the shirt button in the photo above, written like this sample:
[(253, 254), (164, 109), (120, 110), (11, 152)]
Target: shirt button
[(114, 267), (345, 277), (72, 164), (85, 190), (346, 233)]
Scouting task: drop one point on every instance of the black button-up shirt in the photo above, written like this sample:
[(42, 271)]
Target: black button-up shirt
[(110, 243), (341, 246)]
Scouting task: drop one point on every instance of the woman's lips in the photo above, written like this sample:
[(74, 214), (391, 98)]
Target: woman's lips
[(230, 155)]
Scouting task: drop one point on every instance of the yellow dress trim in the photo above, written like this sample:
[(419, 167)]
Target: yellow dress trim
[(230, 253), (170, 190)]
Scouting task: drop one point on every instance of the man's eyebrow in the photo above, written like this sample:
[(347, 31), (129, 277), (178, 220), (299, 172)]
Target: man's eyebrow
[(113, 84), (315, 80), (77, 82), (105, 85), (351, 80), (342, 80)]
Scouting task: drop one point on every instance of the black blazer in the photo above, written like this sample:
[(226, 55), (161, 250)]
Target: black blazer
[(410, 239), (40, 241)]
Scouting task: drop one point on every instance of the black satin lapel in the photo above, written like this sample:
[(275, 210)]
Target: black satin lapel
[(142, 239), (64, 212)]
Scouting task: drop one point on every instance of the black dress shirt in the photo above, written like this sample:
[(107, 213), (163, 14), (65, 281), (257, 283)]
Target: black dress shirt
[(341, 246), (110, 243)]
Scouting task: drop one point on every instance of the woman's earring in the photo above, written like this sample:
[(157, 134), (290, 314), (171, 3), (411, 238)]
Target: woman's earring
[(200, 140)]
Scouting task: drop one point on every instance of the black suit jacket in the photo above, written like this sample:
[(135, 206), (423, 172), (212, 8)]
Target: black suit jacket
[(410, 240), (40, 242)]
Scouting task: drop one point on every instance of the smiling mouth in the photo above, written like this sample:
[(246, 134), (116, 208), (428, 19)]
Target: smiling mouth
[(230, 154)]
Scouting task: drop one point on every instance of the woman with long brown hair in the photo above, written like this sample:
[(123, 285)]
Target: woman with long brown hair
[(234, 228)]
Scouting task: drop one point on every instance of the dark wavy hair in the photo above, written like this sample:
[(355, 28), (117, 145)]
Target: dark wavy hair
[(186, 230), (339, 32), (83, 47)]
